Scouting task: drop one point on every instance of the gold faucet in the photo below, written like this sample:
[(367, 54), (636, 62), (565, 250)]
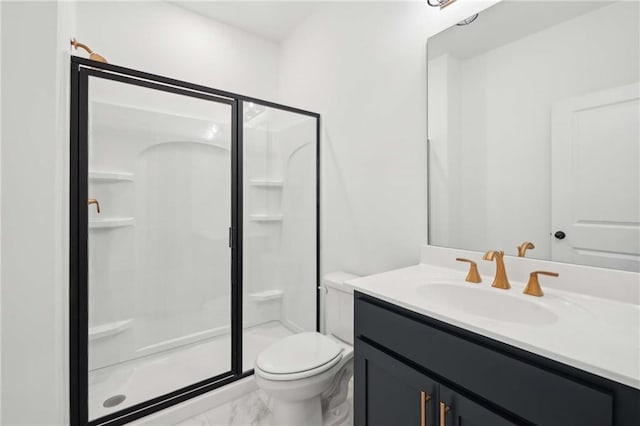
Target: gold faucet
[(533, 286), (473, 276), (522, 248), (500, 280)]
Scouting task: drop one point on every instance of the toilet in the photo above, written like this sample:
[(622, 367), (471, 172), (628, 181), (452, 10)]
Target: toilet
[(307, 374)]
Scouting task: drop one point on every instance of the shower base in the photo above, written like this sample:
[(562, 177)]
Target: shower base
[(145, 378)]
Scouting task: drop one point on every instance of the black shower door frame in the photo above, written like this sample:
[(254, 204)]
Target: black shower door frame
[(81, 70)]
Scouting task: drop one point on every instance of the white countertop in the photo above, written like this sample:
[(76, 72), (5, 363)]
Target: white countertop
[(601, 336)]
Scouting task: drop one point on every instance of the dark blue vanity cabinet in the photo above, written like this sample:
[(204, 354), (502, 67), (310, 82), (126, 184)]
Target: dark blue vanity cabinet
[(413, 370)]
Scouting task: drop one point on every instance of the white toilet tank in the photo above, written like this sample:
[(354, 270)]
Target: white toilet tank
[(339, 305)]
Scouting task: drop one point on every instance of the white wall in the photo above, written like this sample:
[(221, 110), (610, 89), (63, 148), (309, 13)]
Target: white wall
[(162, 38), (363, 66), (0, 215), (34, 232)]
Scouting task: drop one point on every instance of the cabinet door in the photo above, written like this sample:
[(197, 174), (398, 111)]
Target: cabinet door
[(389, 392), (456, 410)]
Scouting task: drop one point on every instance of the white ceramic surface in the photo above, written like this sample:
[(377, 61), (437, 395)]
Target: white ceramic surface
[(299, 353), (595, 334), (312, 400), (338, 306), (316, 367), (477, 300)]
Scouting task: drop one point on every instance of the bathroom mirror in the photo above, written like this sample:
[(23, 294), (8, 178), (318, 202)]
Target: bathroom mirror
[(533, 122)]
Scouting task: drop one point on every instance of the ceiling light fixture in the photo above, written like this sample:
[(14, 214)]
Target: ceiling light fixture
[(467, 21), (444, 3), (439, 3)]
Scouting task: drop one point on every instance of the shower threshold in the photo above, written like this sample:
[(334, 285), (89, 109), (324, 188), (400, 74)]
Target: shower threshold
[(129, 383)]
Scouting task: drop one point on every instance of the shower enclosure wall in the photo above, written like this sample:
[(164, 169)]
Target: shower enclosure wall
[(194, 224)]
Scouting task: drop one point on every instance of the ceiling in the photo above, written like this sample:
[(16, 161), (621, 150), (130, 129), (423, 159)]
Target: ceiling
[(273, 20)]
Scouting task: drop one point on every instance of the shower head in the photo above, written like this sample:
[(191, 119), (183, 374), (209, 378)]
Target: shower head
[(439, 3), (93, 56)]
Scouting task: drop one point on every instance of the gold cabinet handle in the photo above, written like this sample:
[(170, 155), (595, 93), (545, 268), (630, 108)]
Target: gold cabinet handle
[(424, 398), (473, 276), (444, 409), (94, 201)]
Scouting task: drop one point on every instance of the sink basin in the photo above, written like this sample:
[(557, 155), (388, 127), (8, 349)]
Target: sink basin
[(488, 303)]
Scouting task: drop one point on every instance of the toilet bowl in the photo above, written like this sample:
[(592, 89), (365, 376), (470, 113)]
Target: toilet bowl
[(307, 374)]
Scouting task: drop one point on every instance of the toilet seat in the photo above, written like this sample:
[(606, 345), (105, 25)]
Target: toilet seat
[(299, 356)]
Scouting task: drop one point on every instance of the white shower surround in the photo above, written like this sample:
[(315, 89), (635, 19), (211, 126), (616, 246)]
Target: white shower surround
[(280, 257), (153, 273)]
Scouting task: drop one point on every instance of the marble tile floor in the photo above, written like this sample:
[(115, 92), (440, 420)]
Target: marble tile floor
[(252, 409)]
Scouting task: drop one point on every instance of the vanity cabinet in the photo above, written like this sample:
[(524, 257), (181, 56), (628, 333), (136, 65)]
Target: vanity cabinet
[(397, 394), (455, 409), (407, 365)]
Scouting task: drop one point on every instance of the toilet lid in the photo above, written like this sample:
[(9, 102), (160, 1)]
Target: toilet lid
[(298, 353)]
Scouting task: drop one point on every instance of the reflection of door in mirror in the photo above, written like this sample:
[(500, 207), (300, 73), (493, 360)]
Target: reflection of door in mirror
[(596, 179)]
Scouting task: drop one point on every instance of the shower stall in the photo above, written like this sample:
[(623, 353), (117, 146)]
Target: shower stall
[(193, 237)]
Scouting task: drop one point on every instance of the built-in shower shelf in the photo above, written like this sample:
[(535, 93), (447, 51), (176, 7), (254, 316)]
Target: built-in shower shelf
[(265, 296), (270, 183), (115, 222), (104, 176), (266, 217), (109, 329)]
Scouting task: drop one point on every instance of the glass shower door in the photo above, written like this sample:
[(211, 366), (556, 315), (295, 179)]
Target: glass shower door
[(280, 263), (159, 264)]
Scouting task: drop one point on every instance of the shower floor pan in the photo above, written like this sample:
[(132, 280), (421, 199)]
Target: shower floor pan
[(122, 385)]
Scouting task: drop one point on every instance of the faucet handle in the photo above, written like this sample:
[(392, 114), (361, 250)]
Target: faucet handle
[(522, 248), (533, 286), (473, 276)]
